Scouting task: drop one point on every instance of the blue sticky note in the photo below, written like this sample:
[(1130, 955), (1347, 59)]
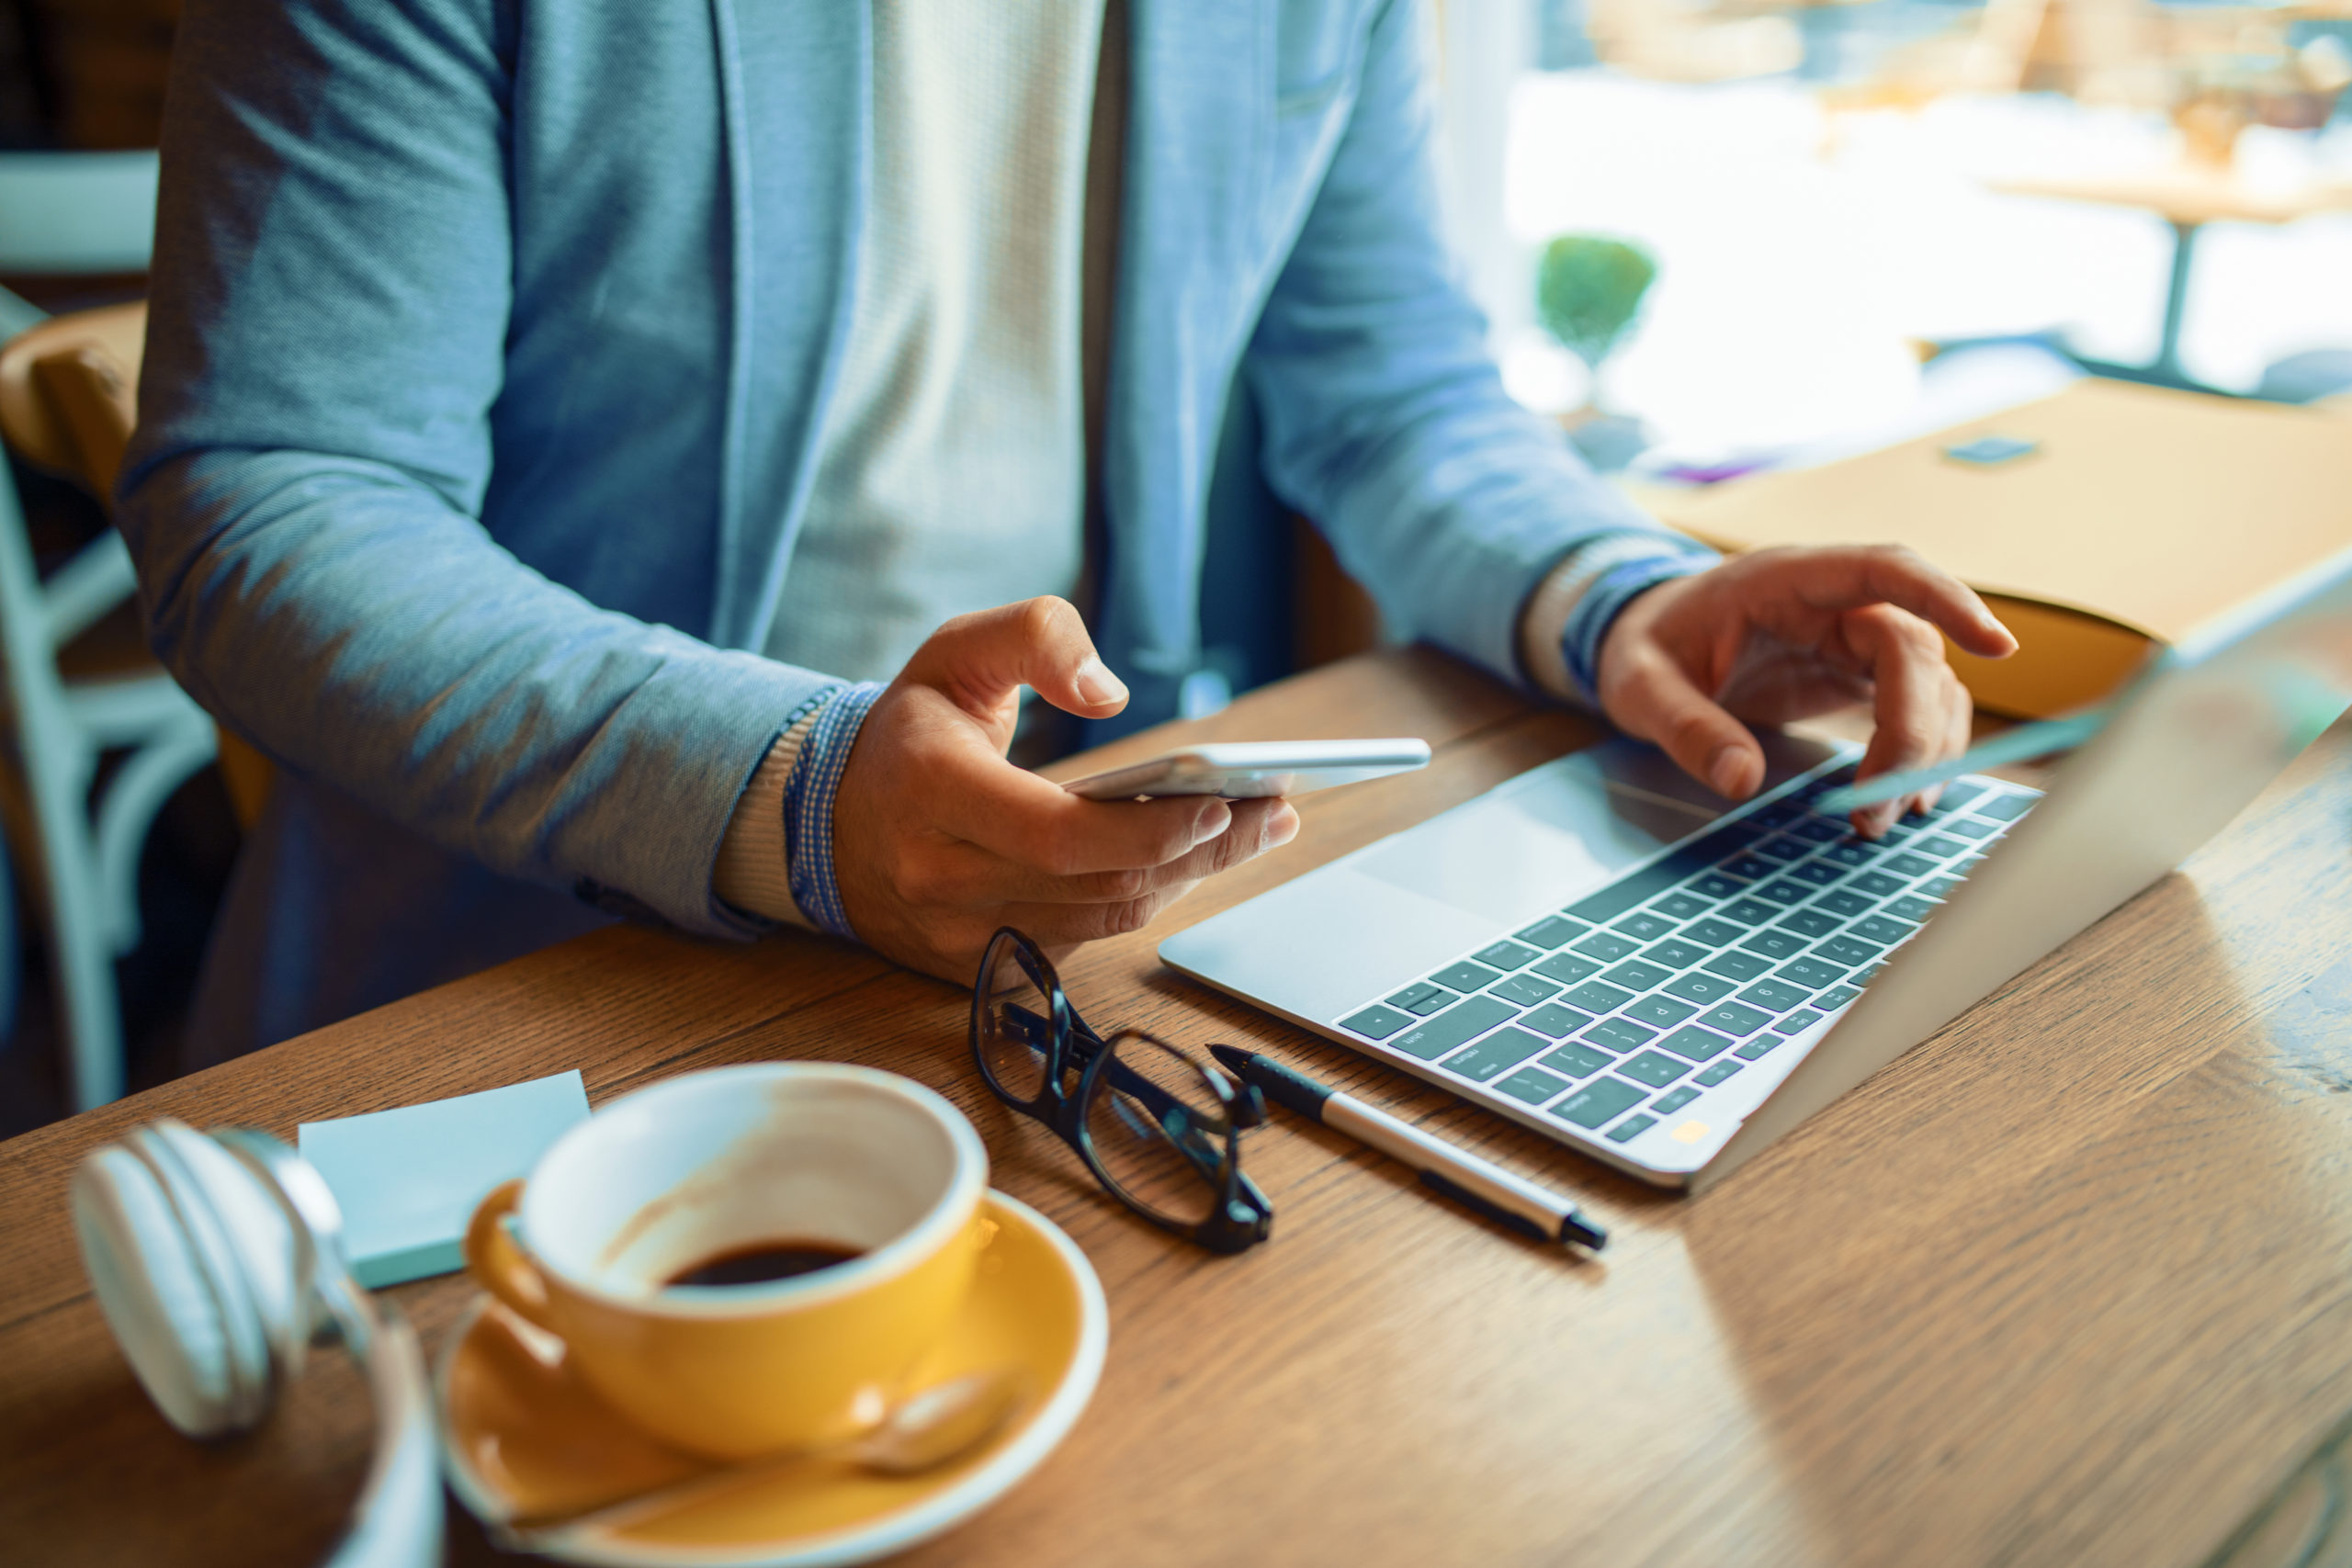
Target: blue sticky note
[(409, 1180), (1987, 451)]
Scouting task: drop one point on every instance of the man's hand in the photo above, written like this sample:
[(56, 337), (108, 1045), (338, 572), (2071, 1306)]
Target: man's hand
[(938, 840), (1786, 634)]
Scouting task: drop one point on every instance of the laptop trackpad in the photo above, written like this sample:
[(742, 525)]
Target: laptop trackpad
[(1548, 837)]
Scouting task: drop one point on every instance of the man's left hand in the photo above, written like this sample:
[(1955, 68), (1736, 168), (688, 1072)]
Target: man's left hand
[(1785, 634)]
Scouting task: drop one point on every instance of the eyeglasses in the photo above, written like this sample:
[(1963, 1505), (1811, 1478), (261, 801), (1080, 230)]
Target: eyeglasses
[(1160, 1128)]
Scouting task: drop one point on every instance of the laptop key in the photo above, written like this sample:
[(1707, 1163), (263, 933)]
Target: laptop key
[(1820, 873), (1701, 987), (1642, 926), (1607, 946), (1819, 829), (1911, 908), (1496, 1055), (1877, 884), (1837, 997), (1578, 1060), (1600, 1103), (1884, 931), (1619, 1035), (1567, 968), (1694, 1043), (1748, 911), (1667, 1104), (1675, 954), (1956, 794), (1735, 1020), (1506, 954), (1811, 922), (1798, 1021), (1847, 951), (1632, 1127), (1773, 943), (1784, 892), (1421, 998), (1524, 990), (1716, 1074), (1748, 868), (1775, 996), (1845, 901), (1712, 933), (1939, 887), (1810, 973), (1552, 931), (1596, 996), (1531, 1084), (1941, 847), (1855, 853), (1650, 1067), (1553, 1020), (2007, 808), (1457, 1025), (1681, 905), (1466, 975), (1714, 885), (1636, 975), (1663, 1012), (1759, 1046), (1909, 866), (1971, 828), (1779, 813), (1784, 849), (1740, 967), (1376, 1022)]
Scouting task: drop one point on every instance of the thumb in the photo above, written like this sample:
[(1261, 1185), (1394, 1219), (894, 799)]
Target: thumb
[(1657, 702), (982, 660)]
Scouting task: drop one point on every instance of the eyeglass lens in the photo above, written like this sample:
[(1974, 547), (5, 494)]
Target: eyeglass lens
[(1016, 1031), (1160, 1129)]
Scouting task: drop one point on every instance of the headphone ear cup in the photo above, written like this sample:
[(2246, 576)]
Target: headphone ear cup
[(259, 1244), (157, 1293)]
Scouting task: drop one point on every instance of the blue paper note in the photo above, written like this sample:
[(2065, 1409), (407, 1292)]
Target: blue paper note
[(409, 1180)]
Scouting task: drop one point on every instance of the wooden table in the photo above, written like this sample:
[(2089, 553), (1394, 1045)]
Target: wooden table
[(2066, 1285)]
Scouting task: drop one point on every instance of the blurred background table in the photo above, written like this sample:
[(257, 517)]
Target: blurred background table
[(2066, 1285)]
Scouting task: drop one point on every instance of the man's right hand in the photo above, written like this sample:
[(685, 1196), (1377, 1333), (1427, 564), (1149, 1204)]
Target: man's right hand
[(938, 840)]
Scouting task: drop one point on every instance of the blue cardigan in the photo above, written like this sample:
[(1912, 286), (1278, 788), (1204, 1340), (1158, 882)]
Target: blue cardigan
[(490, 344)]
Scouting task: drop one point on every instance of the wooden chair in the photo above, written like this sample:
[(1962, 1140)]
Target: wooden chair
[(66, 406)]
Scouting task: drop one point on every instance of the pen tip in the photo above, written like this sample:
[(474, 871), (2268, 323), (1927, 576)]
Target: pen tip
[(1234, 1057), (1576, 1227)]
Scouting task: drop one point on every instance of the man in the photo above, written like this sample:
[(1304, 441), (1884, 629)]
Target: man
[(548, 406)]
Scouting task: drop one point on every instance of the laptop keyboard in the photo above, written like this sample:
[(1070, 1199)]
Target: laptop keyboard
[(1628, 1005)]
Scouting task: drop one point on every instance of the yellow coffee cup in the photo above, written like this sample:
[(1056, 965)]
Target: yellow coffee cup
[(729, 1161)]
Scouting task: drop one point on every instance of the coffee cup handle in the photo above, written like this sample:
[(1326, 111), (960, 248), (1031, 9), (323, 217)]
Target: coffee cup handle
[(498, 1265)]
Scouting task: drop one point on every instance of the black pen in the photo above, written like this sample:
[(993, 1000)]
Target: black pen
[(1457, 1174)]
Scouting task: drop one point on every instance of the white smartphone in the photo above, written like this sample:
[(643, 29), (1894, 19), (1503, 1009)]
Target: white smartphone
[(1246, 770)]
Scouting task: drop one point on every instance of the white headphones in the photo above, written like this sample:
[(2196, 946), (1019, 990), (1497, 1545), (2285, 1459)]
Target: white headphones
[(216, 1258)]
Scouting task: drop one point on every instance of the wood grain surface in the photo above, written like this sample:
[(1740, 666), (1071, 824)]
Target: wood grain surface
[(2066, 1285)]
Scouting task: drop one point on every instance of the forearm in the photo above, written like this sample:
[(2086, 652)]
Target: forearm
[(358, 628)]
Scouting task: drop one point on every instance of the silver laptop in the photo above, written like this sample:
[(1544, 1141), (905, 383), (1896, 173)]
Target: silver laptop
[(1597, 950)]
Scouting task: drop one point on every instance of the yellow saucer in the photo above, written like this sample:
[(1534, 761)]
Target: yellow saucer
[(524, 1437)]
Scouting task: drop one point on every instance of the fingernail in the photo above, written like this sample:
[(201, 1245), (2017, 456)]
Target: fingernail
[(1211, 822), (1727, 769), (1098, 685), (1282, 826)]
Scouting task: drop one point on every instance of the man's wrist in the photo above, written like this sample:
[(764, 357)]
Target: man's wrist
[(807, 806), (752, 873), (1569, 615)]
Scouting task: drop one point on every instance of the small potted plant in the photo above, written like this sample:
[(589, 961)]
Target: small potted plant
[(1588, 291)]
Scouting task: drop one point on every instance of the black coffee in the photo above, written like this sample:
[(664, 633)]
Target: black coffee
[(758, 1262)]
